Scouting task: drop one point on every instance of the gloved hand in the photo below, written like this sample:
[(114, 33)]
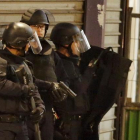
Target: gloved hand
[(57, 93), (36, 115), (28, 90)]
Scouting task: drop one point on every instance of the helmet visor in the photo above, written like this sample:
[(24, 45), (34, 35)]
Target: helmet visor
[(81, 39), (35, 44)]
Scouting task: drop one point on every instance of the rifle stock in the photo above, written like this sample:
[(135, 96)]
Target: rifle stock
[(28, 80), (36, 125)]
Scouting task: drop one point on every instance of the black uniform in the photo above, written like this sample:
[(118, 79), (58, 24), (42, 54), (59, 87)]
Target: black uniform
[(100, 83), (48, 67), (71, 111), (14, 105)]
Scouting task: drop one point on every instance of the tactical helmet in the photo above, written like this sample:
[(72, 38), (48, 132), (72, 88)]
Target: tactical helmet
[(62, 33), (17, 34), (35, 16)]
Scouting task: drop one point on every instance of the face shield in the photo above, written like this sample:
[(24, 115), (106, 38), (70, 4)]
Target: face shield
[(35, 44), (81, 42)]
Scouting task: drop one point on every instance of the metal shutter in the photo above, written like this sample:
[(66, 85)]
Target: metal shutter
[(112, 24), (111, 38), (63, 11)]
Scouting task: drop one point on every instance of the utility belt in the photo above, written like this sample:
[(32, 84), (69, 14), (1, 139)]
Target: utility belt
[(9, 118), (68, 122), (69, 117)]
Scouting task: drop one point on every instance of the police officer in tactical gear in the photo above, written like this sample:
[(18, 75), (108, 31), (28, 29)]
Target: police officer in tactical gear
[(70, 43), (102, 74), (47, 66), (16, 87)]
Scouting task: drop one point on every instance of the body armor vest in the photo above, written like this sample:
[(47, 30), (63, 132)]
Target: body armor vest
[(12, 104), (43, 65), (80, 104)]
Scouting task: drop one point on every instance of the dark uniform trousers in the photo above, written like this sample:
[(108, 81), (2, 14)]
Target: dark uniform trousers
[(74, 130), (68, 128), (13, 131), (46, 127)]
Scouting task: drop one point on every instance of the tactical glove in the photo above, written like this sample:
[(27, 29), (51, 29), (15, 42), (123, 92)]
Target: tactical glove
[(36, 115), (28, 90), (57, 93)]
